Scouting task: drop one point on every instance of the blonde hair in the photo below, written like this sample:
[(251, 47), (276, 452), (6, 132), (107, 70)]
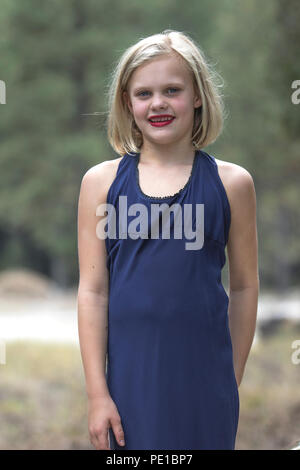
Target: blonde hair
[(122, 131)]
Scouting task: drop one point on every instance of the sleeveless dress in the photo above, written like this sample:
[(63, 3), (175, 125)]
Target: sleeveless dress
[(169, 352)]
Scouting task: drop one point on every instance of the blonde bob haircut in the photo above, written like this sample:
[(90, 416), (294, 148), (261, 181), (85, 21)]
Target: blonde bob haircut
[(123, 134)]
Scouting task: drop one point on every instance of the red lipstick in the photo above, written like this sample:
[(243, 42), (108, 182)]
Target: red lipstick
[(161, 123)]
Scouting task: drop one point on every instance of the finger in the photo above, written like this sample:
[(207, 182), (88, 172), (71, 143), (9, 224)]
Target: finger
[(100, 440), (118, 431), (103, 440)]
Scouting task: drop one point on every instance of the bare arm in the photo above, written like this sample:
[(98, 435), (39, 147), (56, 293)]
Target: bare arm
[(93, 287), (243, 266), (92, 304)]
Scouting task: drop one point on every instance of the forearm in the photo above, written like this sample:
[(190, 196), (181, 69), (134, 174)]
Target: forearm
[(92, 329), (242, 321)]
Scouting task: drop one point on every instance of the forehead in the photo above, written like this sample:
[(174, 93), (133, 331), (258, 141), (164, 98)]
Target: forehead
[(160, 70)]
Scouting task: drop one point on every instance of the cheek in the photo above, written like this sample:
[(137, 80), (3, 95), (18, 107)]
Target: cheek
[(183, 106), (139, 109)]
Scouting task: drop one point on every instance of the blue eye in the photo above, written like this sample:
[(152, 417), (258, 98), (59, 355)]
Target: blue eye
[(141, 92)]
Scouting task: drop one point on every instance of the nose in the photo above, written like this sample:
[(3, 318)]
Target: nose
[(158, 101)]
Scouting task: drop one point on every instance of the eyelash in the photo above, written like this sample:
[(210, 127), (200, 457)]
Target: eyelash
[(171, 88)]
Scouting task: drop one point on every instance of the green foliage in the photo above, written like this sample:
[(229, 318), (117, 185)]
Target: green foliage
[(56, 59)]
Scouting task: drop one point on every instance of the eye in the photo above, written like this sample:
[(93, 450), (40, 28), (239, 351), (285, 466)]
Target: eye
[(141, 93)]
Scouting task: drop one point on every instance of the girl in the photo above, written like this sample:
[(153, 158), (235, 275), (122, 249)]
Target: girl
[(176, 344)]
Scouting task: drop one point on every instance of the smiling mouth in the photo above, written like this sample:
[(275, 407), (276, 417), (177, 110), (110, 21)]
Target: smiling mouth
[(162, 122)]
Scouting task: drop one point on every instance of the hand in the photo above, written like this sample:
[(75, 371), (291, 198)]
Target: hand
[(102, 415)]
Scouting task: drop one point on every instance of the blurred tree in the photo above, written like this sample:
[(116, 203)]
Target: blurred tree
[(47, 143), (57, 58), (285, 68), (257, 92)]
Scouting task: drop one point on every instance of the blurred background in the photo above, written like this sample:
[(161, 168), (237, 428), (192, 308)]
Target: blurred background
[(55, 64)]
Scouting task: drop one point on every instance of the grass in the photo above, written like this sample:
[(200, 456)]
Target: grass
[(269, 393), (42, 398), (43, 401)]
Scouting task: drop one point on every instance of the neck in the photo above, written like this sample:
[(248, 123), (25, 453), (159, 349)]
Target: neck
[(177, 153)]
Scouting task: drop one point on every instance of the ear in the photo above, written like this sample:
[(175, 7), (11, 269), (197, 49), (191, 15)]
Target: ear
[(127, 100), (197, 99), (197, 102)]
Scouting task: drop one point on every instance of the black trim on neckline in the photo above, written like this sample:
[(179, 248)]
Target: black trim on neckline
[(137, 159)]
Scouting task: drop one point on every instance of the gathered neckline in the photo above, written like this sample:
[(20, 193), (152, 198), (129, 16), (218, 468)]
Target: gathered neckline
[(137, 159)]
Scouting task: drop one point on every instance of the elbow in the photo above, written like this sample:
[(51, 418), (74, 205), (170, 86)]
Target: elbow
[(253, 285)]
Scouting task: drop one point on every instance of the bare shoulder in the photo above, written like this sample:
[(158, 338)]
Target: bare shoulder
[(98, 178), (237, 181)]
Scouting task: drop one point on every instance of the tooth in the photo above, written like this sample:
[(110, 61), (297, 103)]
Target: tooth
[(162, 119)]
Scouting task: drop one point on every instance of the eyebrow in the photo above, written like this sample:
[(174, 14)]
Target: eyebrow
[(175, 84)]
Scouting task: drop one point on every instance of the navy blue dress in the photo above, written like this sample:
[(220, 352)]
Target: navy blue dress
[(169, 353)]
